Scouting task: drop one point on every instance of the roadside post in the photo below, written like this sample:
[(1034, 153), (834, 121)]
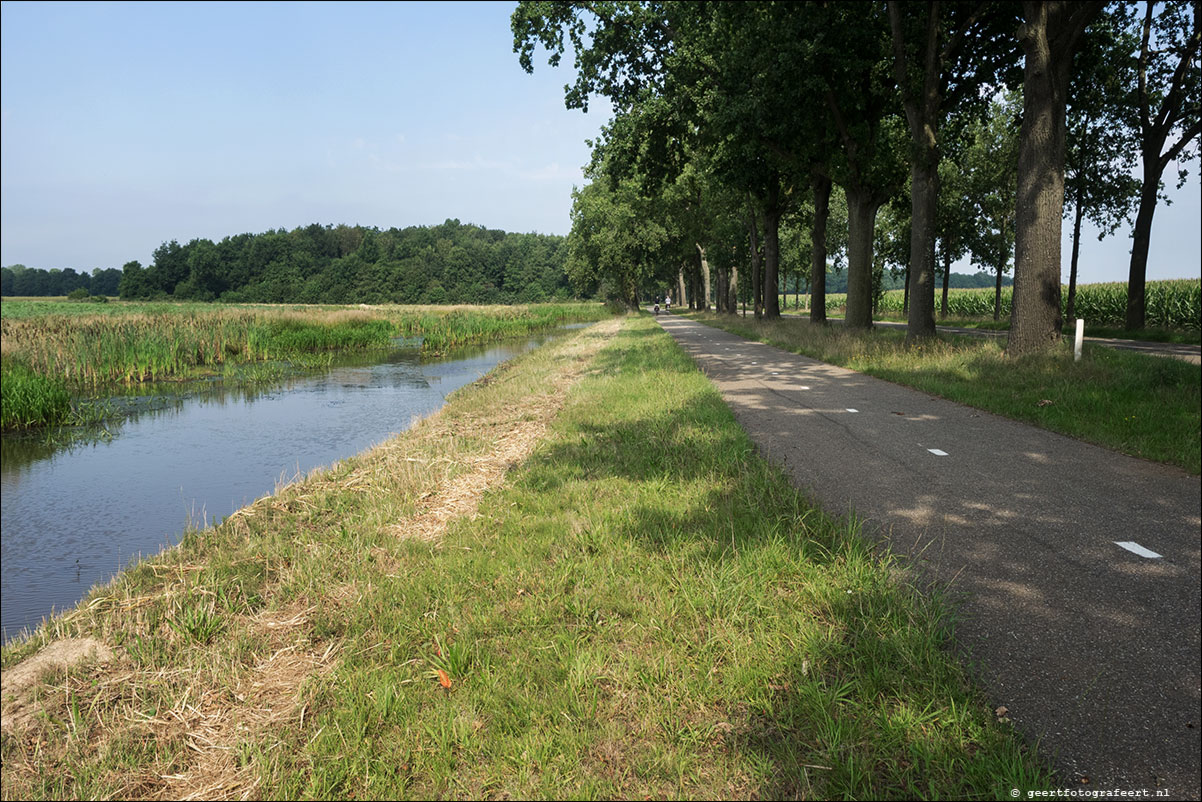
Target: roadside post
[(1078, 339)]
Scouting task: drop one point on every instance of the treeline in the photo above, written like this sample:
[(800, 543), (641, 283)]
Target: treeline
[(899, 137), (32, 281), (447, 263)]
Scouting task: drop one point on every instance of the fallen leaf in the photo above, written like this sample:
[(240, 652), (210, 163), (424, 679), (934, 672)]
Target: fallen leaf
[(1046, 402), (1001, 711), (443, 679)]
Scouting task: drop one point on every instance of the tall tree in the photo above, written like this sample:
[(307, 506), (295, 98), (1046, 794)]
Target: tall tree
[(991, 182), (943, 54), (864, 106), (1168, 107), (1049, 36), (1100, 147)]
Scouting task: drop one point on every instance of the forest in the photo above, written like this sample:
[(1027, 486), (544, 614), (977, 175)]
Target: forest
[(905, 136), (447, 263)]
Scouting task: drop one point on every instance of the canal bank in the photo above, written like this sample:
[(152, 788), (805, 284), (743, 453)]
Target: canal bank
[(78, 509)]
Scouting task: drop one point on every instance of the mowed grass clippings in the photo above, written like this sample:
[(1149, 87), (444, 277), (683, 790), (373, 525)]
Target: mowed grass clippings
[(1141, 405), (644, 608)]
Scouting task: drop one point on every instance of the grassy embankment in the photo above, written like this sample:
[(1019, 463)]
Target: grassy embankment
[(644, 609), (1145, 406), (1174, 309), (52, 351)]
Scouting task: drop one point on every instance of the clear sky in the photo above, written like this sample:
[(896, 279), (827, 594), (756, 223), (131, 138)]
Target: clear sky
[(126, 125)]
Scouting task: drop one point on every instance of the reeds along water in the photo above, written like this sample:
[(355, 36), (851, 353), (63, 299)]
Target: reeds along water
[(87, 353)]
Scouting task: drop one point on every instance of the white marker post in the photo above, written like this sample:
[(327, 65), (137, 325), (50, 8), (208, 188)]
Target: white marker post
[(1078, 339)]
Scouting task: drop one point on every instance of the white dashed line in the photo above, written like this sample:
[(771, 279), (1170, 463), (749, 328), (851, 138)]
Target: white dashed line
[(1135, 548), (849, 409), (937, 452)]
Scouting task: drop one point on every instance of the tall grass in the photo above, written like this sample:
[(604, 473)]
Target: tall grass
[(128, 344), (29, 399)]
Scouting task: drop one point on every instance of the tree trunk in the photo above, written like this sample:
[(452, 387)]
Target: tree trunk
[(756, 274), (821, 185), (924, 180), (732, 296), (861, 218), (1048, 37), (906, 293), (682, 297), (772, 262), (1072, 270), (705, 278), (947, 279), (1138, 272), (997, 293)]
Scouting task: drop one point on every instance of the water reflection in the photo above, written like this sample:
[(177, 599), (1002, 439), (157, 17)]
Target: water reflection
[(78, 505)]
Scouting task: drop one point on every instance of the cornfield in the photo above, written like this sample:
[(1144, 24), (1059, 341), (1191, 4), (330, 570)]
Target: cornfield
[(1169, 304)]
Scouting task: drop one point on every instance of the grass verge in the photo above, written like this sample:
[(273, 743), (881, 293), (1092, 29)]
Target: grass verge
[(644, 608), (1145, 406)]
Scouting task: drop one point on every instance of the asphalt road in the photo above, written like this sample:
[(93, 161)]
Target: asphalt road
[(1091, 646)]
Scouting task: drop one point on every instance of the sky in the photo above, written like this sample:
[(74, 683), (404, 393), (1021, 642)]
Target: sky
[(126, 125)]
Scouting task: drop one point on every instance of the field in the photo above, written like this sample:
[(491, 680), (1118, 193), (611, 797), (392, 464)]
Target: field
[(50, 349), (1171, 305)]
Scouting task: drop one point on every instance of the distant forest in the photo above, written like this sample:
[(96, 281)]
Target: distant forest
[(448, 263)]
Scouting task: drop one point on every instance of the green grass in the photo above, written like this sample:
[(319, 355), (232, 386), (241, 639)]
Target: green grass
[(30, 400), (1145, 406), (647, 609)]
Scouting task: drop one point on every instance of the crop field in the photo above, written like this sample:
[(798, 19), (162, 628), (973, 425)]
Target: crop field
[(51, 348), (1170, 304)]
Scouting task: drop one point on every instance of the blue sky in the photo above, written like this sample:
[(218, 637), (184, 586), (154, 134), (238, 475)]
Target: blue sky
[(127, 125)]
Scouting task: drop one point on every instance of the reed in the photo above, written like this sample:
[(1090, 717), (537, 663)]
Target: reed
[(134, 343), (29, 399)]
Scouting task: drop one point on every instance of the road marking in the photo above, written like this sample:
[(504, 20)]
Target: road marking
[(805, 388), (849, 409), (937, 452), (1135, 548)]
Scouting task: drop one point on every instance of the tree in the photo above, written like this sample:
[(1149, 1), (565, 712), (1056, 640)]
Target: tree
[(1100, 148), (991, 181), (135, 282), (864, 105), (1169, 120), (1049, 36), (943, 55)]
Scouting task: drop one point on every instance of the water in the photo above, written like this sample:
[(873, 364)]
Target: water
[(73, 515)]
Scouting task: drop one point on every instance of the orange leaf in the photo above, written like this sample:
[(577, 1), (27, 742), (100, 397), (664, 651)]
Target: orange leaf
[(443, 679)]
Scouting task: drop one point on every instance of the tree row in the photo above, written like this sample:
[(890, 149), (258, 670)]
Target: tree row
[(940, 129)]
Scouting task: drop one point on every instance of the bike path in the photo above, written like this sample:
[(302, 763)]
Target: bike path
[(1092, 646)]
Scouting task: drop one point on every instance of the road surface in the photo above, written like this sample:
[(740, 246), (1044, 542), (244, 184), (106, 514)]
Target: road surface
[(1046, 544)]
